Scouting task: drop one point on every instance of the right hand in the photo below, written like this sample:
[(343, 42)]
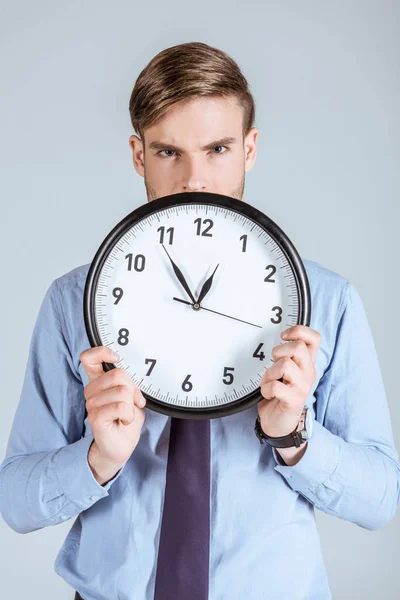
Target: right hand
[(113, 404)]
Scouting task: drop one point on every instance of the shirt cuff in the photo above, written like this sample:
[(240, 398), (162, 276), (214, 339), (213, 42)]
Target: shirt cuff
[(75, 475), (319, 461)]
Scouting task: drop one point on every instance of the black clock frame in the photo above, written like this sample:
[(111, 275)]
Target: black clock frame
[(213, 199)]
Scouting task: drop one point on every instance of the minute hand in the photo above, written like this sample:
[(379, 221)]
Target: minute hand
[(180, 276)]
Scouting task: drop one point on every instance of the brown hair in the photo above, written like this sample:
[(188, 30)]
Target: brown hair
[(183, 72)]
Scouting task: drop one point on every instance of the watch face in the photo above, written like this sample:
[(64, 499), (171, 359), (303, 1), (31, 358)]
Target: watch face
[(309, 423), (195, 357)]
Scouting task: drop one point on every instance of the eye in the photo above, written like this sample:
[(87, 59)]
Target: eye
[(220, 147), (160, 152), (172, 151)]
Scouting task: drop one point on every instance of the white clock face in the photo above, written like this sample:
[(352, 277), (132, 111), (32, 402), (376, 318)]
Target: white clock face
[(195, 359)]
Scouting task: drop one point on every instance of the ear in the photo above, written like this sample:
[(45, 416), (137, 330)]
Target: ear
[(250, 148), (137, 148)]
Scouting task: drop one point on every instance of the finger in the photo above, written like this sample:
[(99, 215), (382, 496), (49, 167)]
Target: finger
[(113, 411), (309, 336), (110, 380), (289, 397), (121, 393), (286, 368), (297, 351), (93, 358)]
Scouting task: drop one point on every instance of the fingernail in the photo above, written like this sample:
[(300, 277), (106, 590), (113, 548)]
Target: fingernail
[(115, 355), (284, 334), (142, 402)]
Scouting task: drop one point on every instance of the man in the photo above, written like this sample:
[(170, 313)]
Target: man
[(194, 114)]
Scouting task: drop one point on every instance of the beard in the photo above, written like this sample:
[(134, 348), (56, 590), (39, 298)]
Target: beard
[(237, 193), (151, 192)]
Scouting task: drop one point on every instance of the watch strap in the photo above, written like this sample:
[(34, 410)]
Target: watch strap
[(294, 438)]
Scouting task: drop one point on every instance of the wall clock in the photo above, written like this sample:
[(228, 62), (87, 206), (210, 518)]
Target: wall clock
[(193, 290)]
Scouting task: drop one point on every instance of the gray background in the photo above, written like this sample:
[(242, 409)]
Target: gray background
[(325, 76)]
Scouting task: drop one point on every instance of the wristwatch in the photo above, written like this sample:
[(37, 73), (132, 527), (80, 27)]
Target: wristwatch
[(301, 434)]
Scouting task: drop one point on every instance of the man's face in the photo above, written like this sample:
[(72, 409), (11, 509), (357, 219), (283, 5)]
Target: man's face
[(197, 145)]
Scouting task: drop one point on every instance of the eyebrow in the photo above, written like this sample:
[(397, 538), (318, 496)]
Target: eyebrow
[(159, 145)]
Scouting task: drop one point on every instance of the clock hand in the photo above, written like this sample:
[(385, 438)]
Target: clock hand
[(218, 313), (206, 287), (180, 276)]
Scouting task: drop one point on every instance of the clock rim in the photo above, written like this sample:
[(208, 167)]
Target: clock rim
[(165, 202)]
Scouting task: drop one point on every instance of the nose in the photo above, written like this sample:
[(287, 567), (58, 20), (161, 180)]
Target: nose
[(194, 177)]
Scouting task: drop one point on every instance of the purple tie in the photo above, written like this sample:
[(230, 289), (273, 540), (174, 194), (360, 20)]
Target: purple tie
[(183, 555)]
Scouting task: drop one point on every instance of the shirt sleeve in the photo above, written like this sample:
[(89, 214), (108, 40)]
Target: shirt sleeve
[(350, 468), (45, 477)]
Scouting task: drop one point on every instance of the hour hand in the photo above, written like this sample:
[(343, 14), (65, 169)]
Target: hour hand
[(180, 276), (206, 286)]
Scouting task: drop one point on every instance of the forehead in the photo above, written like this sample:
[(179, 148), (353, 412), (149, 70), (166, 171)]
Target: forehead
[(197, 121)]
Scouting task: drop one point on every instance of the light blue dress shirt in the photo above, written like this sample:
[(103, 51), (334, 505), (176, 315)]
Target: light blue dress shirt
[(264, 543)]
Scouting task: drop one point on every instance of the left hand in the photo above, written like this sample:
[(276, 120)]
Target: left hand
[(283, 403)]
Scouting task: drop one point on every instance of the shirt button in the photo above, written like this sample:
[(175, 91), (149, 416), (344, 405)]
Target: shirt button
[(94, 497), (63, 517)]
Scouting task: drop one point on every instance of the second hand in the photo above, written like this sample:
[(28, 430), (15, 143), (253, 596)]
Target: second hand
[(218, 313)]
